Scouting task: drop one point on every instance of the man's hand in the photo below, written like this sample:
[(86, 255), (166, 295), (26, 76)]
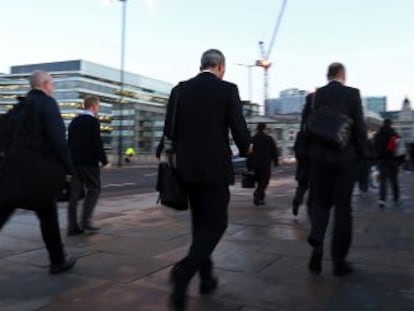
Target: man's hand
[(68, 178)]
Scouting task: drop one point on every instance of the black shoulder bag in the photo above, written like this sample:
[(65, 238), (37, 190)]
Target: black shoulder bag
[(329, 127), (171, 193)]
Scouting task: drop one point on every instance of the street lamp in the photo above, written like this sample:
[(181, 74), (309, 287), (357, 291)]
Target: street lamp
[(249, 68), (122, 81)]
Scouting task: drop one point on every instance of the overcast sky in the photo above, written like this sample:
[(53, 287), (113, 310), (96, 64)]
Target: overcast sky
[(165, 38)]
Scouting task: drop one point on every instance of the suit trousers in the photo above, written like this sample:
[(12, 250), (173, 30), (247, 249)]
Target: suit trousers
[(388, 169), (46, 212), (332, 185), (208, 204), (262, 176), (85, 177)]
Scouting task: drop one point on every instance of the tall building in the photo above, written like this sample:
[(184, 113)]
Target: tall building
[(376, 104), (290, 101), (250, 109), (142, 103)]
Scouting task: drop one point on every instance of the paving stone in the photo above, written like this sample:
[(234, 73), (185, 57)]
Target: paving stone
[(117, 267)]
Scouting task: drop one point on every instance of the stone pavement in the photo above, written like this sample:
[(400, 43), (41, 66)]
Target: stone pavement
[(261, 261)]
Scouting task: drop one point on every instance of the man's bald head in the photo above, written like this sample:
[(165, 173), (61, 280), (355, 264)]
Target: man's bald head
[(41, 80)]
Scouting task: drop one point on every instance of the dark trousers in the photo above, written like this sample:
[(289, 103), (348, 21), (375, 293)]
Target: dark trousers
[(208, 204), (388, 170), (364, 171), (87, 177), (49, 226), (302, 176), (262, 177), (332, 185)]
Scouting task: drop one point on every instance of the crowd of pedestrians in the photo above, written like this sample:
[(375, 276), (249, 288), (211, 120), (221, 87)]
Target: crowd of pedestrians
[(202, 111)]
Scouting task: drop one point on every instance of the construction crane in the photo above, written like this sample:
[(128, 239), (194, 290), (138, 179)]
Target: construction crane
[(264, 60)]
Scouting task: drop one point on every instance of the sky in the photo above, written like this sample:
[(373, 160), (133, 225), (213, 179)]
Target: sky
[(374, 39)]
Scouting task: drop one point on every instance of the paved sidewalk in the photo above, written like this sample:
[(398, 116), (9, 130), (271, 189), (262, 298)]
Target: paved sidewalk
[(261, 262)]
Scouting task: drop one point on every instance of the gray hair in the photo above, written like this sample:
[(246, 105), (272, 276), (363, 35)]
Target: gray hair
[(38, 78), (211, 58)]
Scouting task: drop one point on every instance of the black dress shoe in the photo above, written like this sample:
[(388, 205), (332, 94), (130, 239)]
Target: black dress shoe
[(77, 231), (315, 262), (342, 269), (178, 298), (177, 302), (208, 286), (90, 228), (63, 267)]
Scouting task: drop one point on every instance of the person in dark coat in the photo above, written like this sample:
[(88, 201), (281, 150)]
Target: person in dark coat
[(263, 155), (387, 162), (334, 171), (88, 154), (206, 109), (53, 136), (302, 174)]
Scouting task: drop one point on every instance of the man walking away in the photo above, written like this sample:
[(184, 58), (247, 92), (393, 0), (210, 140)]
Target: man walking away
[(85, 144), (385, 146), (334, 172), (52, 143), (302, 174), (206, 108), (264, 153)]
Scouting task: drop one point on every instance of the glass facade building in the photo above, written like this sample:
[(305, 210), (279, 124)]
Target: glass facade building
[(143, 99), (290, 101), (376, 104)]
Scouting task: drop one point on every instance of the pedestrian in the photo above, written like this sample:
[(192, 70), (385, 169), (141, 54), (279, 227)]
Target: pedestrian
[(386, 142), (88, 154), (51, 145), (365, 165), (302, 174), (205, 107), (264, 153), (334, 171)]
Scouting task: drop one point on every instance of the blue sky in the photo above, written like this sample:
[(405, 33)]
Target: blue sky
[(165, 38)]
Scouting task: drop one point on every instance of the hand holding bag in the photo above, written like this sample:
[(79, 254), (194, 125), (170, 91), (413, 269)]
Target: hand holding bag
[(171, 193), (329, 127)]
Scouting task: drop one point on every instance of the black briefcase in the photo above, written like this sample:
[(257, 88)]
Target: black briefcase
[(172, 194)]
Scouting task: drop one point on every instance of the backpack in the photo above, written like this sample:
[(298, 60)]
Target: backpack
[(12, 128), (392, 144)]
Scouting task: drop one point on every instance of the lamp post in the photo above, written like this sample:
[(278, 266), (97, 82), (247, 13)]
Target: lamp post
[(249, 68), (122, 81)]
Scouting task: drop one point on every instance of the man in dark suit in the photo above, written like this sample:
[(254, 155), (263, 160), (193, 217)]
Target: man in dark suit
[(334, 171), (263, 155), (85, 144), (52, 145), (206, 108)]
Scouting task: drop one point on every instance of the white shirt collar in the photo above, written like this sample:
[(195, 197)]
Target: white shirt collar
[(88, 112)]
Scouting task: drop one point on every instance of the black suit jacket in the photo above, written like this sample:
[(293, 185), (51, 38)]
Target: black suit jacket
[(85, 144), (264, 151), (345, 100), (207, 108)]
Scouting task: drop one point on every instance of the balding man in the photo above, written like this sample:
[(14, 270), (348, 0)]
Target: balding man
[(202, 111), (50, 146)]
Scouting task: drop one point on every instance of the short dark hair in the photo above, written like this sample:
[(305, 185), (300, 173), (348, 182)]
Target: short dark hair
[(387, 122), (261, 126), (211, 58), (90, 100), (334, 70)]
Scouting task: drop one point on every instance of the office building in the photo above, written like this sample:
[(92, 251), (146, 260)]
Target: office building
[(143, 99), (376, 104), (290, 101)]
